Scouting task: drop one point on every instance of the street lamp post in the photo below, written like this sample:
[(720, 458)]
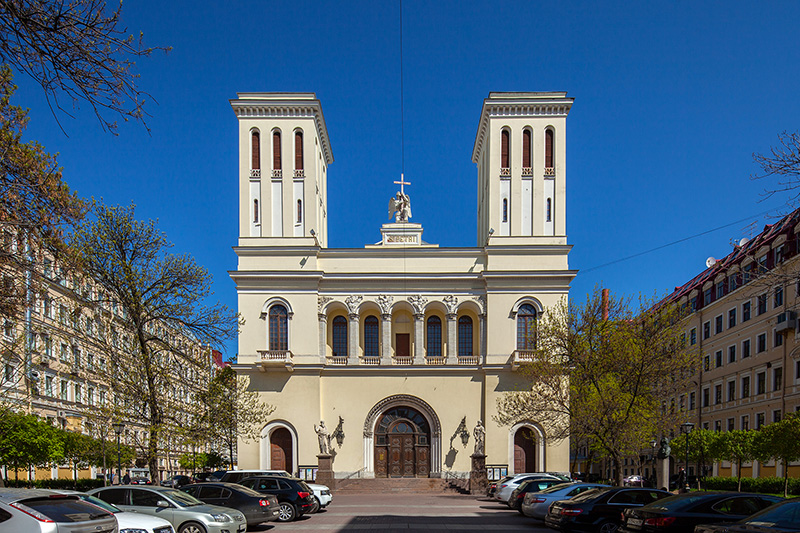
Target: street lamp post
[(687, 428), (118, 427), (653, 444)]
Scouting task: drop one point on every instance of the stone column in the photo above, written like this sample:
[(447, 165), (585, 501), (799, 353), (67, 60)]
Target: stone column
[(452, 338), (386, 339), (352, 341), (325, 475), (419, 339), (483, 340), (323, 330), (478, 477), (662, 473)]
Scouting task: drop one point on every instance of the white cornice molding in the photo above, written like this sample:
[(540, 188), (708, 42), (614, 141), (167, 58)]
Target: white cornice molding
[(285, 105), (555, 104)]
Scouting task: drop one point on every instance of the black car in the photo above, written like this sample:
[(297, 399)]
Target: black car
[(682, 512), (202, 477), (141, 481), (177, 481), (779, 518), (599, 510), (295, 498), (256, 508), (533, 485)]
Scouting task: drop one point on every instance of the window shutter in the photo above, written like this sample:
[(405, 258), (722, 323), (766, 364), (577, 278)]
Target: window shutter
[(526, 148), (548, 149), (298, 150), (504, 150), (276, 150), (256, 151)]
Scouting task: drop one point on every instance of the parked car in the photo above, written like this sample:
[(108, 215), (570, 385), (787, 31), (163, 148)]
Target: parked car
[(535, 504), (683, 512), (295, 498), (599, 510), (322, 493), (256, 508), (778, 518), (506, 486), (141, 481), (47, 511), (633, 481), (202, 477), (532, 486), (186, 513), (177, 481), (128, 522), (217, 475)]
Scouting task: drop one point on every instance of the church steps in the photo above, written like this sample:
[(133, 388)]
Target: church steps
[(407, 485)]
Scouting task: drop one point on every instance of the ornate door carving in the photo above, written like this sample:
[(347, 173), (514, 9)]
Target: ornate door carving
[(402, 444)]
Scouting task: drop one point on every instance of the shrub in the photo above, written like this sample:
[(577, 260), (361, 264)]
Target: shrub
[(59, 484), (769, 485)]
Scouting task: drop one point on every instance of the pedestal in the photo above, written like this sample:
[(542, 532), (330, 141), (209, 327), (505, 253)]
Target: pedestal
[(325, 471), (662, 473), (478, 479)]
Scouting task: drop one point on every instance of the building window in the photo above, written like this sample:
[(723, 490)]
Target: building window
[(706, 330), (340, 336), (276, 150), (48, 386), (731, 391), (732, 354), (298, 150), (708, 296), (548, 148), (717, 394), (526, 328), (759, 420), (776, 415), (78, 398), (371, 336), (255, 211), (746, 387), (256, 151), (777, 379), (434, 337), (732, 318), (718, 359), (299, 211), (693, 304), (731, 424), (465, 336), (778, 298), (526, 148), (278, 328), (761, 383), (762, 304), (745, 348), (692, 401), (745, 311), (745, 422), (718, 325), (505, 209), (717, 425), (761, 340), (720, 289), (504, 142), (549, 210), (732, 282), (779, 254), (705, 397), (748, 269), (64, 390), (778, 339), (693, 336)]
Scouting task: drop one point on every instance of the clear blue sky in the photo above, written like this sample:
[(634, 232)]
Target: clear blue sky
[(671, 99)]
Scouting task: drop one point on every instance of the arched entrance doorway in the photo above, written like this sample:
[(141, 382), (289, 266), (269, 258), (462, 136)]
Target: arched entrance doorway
[(280, 443), (402, 444), (524, 450)]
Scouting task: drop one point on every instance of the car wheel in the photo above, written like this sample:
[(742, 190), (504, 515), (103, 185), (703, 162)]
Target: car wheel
[(192, 527), (286, 513), (315, 506), (608, 527)]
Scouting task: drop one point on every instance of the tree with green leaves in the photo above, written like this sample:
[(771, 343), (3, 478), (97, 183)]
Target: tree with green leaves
[(738, 447), (780, 441), (604, 371), (703, 447), (234, 411), (158, 340), (27, 441)]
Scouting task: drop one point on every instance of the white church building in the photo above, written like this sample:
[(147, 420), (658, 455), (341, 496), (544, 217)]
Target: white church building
[(401, 347)]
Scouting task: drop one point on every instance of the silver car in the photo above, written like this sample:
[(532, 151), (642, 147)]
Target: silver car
[(536, 504), (47, 511), (506, 486), (186, 513)]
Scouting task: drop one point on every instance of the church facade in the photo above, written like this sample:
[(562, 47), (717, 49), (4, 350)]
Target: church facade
[(401, 347)]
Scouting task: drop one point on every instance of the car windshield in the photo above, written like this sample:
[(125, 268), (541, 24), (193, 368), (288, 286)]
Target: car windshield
[(671, 503), (100, 503), (556, 488), (248, 491), (588, 495), (782, 515), (63, 509), (181, 498)]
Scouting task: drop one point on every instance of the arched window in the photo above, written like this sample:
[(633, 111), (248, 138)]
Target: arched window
[(465, 336), (340, 336), (549, 210), (255, 211), (276, 150), (278, 328), (256, 149), (526, 148), (505, 209), (371, 336), (298, 150), (526, 327), (434, 339), (548, 148), (504, 140), (300, 211)]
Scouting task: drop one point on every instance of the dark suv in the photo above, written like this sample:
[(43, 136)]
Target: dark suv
[(294, 496)]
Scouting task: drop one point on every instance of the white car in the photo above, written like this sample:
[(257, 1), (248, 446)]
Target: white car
[(128, 522), (507, 486)]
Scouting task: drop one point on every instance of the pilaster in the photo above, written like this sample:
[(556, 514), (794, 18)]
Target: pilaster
[(323, 329), (452, 338), (386, 339), (419, 339), (352, 341)]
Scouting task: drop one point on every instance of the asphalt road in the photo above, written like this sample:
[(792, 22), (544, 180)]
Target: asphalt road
[(402, 511)]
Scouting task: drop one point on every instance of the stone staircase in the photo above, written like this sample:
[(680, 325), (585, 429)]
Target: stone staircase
[(405, 485)]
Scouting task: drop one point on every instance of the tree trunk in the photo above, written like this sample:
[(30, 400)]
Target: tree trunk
[(785, 478), (739, 475), (105, 471)]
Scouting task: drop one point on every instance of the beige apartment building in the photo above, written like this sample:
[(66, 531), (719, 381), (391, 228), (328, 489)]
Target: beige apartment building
[(743, 319), (401, 346)]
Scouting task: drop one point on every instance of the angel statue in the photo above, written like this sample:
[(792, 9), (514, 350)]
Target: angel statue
[(401, 204)]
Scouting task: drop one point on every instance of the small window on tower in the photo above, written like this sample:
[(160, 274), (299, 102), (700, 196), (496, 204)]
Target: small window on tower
[(255, 211), (505, 209), (256, 148), (526, 148), (276, 150), (548, 148), (299, 211), (298, 150), (504, 149), (549, 210)]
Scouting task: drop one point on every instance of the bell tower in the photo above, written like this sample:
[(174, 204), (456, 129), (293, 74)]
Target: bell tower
[(284, 153), (520, 151)]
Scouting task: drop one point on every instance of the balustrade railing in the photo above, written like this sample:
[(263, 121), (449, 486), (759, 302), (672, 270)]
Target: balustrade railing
[(467, 359), (340, 360), (371, 361), (435, 360), (549, 171), (255, 172), (403, 360), (277, 173)]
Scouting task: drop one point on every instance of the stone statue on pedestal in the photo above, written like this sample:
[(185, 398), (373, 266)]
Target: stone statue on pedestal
[(480, 438), (324, 438), (401, 204)]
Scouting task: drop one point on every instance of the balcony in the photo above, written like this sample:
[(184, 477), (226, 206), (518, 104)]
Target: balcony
[(404, 361), (371, 361), (521, 357), (527, 171), (435, 361), (337, 360), (549, 171), (276, 359), (468, 360), (255, 173), (277, 173)]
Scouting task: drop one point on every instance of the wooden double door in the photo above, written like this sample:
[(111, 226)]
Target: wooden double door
[(524, 451), (402, 445)]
